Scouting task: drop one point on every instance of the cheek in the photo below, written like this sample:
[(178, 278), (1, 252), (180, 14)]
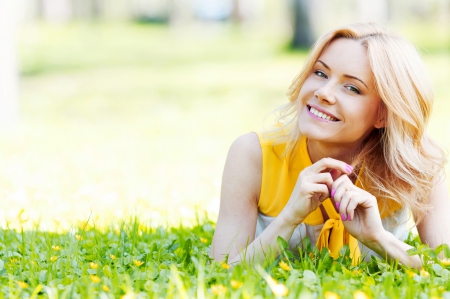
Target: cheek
[(307, 90), (363, 116)]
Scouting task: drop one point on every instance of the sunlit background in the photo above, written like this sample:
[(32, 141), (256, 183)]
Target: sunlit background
[(111, 108)]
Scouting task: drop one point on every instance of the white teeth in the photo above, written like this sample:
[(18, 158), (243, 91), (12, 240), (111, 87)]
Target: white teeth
[(321, 114)]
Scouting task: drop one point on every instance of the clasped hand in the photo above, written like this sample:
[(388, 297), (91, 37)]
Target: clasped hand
[(329, 178)]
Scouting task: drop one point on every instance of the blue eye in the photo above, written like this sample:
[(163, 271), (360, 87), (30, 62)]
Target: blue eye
[(321, 74), (353, 89)]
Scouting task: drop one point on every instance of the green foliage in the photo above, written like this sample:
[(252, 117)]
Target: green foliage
[(135, 260)]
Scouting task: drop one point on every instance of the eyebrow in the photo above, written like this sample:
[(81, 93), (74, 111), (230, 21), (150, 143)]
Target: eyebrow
[(347, 76)]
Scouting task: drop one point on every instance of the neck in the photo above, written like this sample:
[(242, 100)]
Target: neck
[(344, 152)]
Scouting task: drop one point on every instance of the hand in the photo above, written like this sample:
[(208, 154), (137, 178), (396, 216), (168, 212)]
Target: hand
[(312, 187), (358, 209)]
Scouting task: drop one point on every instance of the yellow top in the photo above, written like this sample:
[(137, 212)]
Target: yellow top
[(279, 176)]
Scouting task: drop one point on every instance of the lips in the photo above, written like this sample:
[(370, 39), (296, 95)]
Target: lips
[(322, 114)]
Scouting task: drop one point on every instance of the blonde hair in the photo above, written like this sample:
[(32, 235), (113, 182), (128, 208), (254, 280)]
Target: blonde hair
[(400, 162)]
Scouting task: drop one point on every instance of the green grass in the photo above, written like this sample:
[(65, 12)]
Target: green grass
[(131, 259)]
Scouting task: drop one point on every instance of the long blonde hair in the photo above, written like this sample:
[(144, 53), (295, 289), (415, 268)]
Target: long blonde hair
[(400, 162)]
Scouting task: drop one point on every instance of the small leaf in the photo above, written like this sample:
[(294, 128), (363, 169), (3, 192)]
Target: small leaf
[(282, 243), (437, 269), (412, 251)]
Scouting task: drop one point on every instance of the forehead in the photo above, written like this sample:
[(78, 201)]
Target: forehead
[(348, 56)]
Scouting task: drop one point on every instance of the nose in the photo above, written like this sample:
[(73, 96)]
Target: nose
[(326, 93)]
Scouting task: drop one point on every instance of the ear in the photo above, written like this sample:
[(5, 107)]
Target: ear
[(381, 117)]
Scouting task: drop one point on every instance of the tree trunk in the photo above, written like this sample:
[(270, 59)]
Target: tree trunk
[(303, 35), (9, 73)]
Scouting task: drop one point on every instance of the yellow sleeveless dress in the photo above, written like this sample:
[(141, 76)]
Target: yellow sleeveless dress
[(279, 176)]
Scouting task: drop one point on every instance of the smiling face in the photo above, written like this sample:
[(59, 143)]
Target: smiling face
[(338, 102)]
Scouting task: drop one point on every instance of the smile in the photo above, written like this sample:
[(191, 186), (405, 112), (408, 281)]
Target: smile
[(321, 114)]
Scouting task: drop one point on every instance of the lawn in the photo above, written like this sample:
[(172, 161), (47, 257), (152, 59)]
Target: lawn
[(110, 184)]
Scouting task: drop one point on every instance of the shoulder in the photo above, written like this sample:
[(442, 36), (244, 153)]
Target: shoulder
[(243, 168), (247, 146), (245, 156)]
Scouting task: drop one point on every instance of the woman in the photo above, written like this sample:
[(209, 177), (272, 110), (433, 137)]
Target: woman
[(348, 162)]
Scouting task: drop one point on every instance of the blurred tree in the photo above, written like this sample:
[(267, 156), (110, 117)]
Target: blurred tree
[(151, 11), (9, 71), (303, 34)]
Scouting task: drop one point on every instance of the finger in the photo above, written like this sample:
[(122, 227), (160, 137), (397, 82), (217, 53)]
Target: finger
[(320, 178), (329, 163), (344, 206), (338, 189), (319, 191), (350, 202), (335, 174), (353, 203)]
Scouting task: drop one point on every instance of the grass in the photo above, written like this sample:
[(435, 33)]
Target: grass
[(123, 136), (131, 259)]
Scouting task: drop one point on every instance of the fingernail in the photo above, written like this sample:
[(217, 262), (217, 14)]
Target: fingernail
[(349, 168), (332, 192), (343, 217), (338, 205)]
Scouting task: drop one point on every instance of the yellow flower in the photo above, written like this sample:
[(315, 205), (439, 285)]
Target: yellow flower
[(78, 237), (218, 289), (13, 260), (204, 240), (137, 263), (53, 258), (424, 273), (95, 279), (105, 288), (331, 295), (445, 262), (357, 272), (284, 266), (236, 284), (360, 295), (22, 284), (93, 265), (112, 256), (56, 248), (225, 265), (411, 273)]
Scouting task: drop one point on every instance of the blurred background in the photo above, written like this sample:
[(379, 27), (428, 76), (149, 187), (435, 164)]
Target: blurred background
[(111, 108)]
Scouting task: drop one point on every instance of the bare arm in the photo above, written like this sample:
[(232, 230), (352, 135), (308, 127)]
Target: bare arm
[(435, 227), (434, 230), (238, 213), (241, 183)]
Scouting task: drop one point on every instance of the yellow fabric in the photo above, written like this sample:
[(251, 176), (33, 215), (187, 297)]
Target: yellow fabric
[(279, 176)]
